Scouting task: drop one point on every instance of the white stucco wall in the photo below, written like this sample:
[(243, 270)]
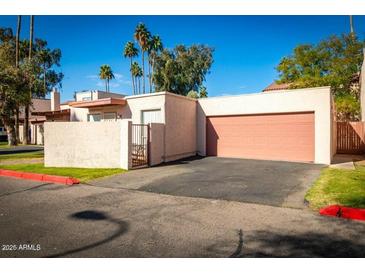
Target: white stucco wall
[(178, 115), (88, 145), (103, 94), (78, 114), (300, 100), (86, 95), (96, 94), (138, 103)]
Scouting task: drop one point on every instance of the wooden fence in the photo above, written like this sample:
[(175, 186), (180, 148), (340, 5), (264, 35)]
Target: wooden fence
[(351, 137)]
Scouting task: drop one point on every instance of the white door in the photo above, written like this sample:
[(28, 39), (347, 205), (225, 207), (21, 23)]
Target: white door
[(151, 116)]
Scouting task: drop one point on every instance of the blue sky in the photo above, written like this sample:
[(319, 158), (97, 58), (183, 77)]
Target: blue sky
[(247, 48)]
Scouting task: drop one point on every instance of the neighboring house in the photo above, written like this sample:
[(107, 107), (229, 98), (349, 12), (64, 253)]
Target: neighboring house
[(275, 86), (35, 121), (54, 111), (288, 125), (90, 95)]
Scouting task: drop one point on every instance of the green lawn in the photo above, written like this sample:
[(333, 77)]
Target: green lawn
[(83, 174), (338, 186), (23, 155), (3, 144)]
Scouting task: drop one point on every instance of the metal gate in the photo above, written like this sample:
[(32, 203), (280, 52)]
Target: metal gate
[(140, 145)]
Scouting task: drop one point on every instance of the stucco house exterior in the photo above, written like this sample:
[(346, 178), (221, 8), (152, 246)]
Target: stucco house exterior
[(288, 125), (35, 121)]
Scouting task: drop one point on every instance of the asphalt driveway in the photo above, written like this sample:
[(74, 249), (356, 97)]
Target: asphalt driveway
[(273, 183)]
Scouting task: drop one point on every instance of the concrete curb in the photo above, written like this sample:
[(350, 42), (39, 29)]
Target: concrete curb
[(343, 212), (39, 177)]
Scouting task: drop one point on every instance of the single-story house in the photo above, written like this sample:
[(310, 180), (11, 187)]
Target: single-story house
[(148, 129)]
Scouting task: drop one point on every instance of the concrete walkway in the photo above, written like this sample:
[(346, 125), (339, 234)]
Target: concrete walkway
[(346, 161), (89, 221)]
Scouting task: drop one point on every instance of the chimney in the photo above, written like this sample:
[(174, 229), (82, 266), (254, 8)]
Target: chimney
[(55, 100)]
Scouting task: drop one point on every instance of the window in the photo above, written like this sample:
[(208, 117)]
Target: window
[(110, 116), (86, 98), (94, 117), (151, 116)]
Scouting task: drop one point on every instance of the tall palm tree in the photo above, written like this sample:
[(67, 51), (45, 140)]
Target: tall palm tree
[(142, 36), (351, 25), (17, 51), (137, 74), (106, 74), (131, 51), (26, 135), (155, 46), (17, 40)]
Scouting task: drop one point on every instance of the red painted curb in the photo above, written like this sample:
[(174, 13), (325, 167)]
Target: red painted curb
[(39, 177), (343, 212)]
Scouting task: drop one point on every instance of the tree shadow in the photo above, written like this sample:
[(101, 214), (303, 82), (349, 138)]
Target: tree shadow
[(92, 215)]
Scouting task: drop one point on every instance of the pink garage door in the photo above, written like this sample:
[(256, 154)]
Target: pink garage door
[(288, 136)]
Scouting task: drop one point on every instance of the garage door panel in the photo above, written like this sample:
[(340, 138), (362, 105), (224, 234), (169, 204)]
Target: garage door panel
[(272, 136)]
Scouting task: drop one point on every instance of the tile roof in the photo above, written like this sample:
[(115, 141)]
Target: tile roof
[(275, 86)]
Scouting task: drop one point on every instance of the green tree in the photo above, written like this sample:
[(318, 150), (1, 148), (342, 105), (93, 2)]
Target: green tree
[(12, 80), (46, 58), (22, 79), (348, 108), (142, 36), (182, 69), (106, 74), (137, 74), (154, 48), (130, 51), (203, 93), (332, 62), (192, 94)]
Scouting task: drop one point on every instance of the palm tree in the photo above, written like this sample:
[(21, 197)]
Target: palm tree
[(26, 135), (155, 46), (351, 25), (131, 51), (106, 74), (17, 40), (17, 51), (137, 74), (142, 36)]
